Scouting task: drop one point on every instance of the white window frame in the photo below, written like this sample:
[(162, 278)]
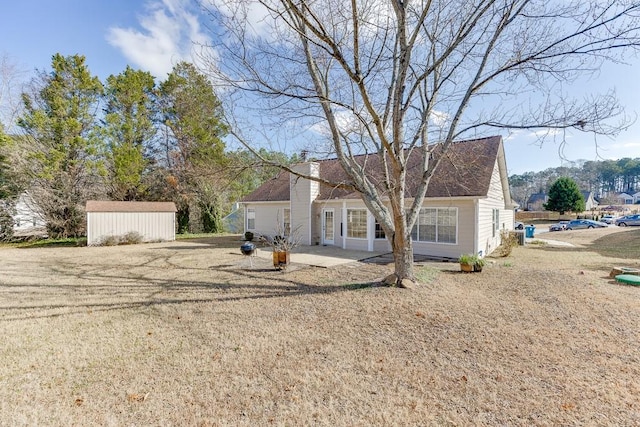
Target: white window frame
[(415, 231), (286, 221), (496, 222), (362, 215), (251, 216), (377, 229)]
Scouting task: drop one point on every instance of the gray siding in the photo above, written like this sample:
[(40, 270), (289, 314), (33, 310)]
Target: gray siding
[(269, 217), (466, 232)]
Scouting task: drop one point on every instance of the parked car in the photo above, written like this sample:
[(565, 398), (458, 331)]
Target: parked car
[(608, 219), (560, 226), (578, 224), (518, 225), (628, 220)]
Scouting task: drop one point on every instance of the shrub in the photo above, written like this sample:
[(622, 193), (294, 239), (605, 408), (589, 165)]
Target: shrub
[(109, 241), (131, 238), (508, 240), (248, 236), (6, 225)]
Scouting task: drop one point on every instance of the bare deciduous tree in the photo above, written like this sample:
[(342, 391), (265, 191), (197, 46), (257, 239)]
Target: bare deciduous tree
[(11, 79), (390, 78)]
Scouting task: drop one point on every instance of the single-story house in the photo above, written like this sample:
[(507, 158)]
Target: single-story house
[(589, 201), (636, 197), (154, 221), (466, 206), (624, 199)]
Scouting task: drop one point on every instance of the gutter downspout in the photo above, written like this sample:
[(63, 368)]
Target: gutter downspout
[(344, 224)]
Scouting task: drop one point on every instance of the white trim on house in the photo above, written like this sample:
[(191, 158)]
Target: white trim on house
[(343, 225), (479, 218), (324, 240)]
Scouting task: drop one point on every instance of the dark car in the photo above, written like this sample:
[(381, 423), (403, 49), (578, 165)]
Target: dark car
[(578, 224), (562, 225), (628, 220)]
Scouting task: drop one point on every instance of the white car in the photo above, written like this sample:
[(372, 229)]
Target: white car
[(608, 219)]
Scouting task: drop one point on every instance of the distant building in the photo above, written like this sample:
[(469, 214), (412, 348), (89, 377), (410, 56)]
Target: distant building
[(624, 199), (234, 222), (536, 201), (27, 220), (589, 201)]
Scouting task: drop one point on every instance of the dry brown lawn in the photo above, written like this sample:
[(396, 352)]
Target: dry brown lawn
[(187, 333)]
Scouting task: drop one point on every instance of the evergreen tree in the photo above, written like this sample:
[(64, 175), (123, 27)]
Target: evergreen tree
[(60, 154), (564, 195), (128, 129), (192, 115)]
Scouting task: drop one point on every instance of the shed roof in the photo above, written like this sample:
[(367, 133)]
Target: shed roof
[(110, 206), (465, 171)]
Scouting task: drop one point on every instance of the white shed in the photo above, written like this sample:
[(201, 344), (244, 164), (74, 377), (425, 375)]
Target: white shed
[(153, 220)]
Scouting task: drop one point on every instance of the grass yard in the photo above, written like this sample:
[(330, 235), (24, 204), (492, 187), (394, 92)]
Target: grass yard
[(187, 333)]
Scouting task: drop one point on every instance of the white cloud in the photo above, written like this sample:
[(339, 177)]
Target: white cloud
[(168, 31), (345, 120), (439, 118), (250, 12)]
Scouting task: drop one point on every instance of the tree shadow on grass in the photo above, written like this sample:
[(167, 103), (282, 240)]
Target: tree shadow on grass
[(103, 287)]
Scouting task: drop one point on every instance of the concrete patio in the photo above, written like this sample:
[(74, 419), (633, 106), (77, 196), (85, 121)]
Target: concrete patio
[(322, 256)]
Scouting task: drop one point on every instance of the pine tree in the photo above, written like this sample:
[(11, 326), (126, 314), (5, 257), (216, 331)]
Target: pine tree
[(564, 195)]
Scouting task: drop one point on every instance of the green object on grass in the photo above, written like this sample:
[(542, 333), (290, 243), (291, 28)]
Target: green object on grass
[(629, 279)]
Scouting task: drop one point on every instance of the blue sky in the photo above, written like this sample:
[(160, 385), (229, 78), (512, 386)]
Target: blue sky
[(155, 34)]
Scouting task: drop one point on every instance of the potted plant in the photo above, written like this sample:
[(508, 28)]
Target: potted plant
[(471, 262), (478, 264), (281, 244), (467, 262), (281, 251)]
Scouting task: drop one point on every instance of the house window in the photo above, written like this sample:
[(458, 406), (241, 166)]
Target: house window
[(286, 222), (439, 225), (496, 222), (357, 223), (379, 231), (447, 225), (251, 219)]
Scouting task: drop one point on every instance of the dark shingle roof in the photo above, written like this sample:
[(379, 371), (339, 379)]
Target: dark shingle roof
[(465, 171), (109, 206), (537, 197)]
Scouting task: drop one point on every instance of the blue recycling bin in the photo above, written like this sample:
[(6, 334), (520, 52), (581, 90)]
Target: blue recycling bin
[(529, 230)]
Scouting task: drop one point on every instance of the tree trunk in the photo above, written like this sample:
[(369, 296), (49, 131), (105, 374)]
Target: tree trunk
[(403, 259)]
